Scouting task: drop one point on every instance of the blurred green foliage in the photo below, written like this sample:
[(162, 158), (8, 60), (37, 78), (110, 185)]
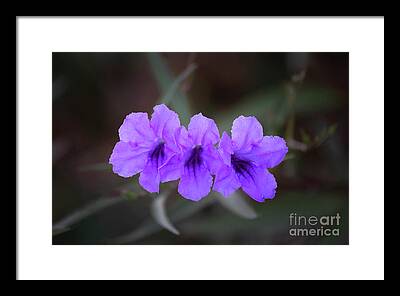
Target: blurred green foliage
[(313, 180)]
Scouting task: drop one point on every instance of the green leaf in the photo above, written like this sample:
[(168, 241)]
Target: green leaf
[(169, 85), (323, 136), (305, 137), (181, 210), (269, 106), (81, 214), (313, 99), (332, 129), (174, 88), (290, 156), (159, 213), (129, 195), (238, 205)]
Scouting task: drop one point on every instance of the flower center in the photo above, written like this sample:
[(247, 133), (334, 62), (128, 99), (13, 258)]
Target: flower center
[(241, 166), (194, 160), (157, 154)]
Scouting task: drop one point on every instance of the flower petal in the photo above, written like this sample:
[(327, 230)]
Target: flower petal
[(269, 153), (212, 159), (164, 123), (259, 184), (246, 131), (195, 184), (225, 148), (150, 178), (203, 130), (226, 181), (182, 139), (128, 159), (172, 169), (136, 128)]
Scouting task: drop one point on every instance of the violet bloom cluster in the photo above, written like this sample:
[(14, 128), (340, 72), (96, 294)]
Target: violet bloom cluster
[(162, 150)]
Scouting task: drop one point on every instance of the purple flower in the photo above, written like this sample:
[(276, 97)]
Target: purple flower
[(161, 150), (148, 147), (198, 159), (246, 158)]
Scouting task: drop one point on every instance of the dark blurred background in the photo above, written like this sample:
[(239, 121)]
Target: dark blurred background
[(303, 97)]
